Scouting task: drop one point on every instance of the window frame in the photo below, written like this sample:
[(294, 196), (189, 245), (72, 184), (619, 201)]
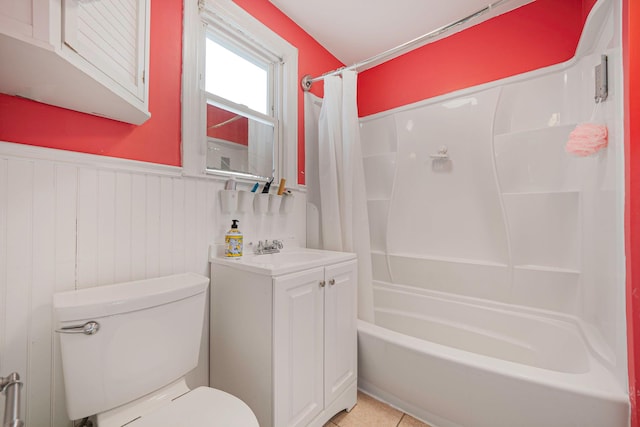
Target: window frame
[(231, 21)]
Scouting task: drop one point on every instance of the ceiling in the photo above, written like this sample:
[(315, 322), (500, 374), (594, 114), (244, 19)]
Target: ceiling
[(354, 30)]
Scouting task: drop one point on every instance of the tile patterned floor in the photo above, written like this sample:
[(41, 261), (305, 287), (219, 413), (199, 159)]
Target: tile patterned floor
[(370, 412)]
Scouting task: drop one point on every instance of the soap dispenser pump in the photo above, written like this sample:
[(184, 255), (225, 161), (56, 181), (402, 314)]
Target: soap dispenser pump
[(233, 241)]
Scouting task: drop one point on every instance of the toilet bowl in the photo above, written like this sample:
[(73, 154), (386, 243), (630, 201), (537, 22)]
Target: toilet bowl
[(126, 349), (176, 405)]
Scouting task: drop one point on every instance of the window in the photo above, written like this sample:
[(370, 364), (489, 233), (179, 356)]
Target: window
[(242, 120), (239, 95), (236, 77)]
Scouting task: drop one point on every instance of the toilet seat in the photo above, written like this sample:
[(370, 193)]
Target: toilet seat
[(203, 406)]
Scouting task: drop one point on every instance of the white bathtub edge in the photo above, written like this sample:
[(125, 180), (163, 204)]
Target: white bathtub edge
[(397, 403), (607, 388), (594, 342)]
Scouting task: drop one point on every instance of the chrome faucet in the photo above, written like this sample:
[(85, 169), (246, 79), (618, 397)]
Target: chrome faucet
[(269, 248)]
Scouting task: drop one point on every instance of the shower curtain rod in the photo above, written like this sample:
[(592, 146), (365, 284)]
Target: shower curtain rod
[(307, 80)]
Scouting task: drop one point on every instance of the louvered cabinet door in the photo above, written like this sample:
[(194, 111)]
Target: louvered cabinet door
[(110, 34)]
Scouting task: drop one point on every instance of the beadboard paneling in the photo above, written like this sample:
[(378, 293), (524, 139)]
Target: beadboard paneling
[(44, 250), (123, 220), (70, 222), (19, 272), (66, 205)]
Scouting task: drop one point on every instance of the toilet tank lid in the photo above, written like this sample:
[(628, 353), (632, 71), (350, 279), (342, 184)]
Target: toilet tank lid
[(101, 301)]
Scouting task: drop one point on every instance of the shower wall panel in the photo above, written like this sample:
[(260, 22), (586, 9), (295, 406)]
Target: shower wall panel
[(508, 215), (450, 207)]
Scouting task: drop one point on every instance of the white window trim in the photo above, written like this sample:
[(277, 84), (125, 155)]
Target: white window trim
[(194, 117)]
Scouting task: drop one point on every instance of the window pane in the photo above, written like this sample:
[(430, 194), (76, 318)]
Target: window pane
[(237, 143), (232, 77)]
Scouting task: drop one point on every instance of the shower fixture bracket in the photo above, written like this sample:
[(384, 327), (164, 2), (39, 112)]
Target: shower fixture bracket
[(442, 154), (602, 84), (306, 83)]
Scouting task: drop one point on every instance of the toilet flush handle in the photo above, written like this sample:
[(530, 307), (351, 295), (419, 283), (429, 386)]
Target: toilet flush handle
[(89, 328)]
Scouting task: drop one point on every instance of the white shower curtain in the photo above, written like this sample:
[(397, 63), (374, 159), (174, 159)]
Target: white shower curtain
[(344, 221)]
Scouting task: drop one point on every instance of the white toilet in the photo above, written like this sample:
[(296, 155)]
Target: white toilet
[(126, 349)]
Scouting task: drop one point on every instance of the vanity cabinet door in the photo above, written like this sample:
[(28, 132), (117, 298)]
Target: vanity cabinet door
[(340, 325), (298, 347)]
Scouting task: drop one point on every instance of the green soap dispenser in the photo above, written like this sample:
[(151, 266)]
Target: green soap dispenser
[(233, 241)]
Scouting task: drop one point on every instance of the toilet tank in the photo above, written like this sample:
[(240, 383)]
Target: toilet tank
[(149, 335)]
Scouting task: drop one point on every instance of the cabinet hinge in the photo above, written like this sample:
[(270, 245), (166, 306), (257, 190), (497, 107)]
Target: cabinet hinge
[(143, 76), (201, 5)]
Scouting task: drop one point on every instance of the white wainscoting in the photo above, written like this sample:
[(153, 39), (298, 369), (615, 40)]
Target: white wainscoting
[(71, 221)]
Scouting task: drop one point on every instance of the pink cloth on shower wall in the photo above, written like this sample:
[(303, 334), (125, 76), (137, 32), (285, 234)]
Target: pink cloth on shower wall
[(587, 139)]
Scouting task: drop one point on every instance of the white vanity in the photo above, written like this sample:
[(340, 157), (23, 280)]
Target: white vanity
[(283, 334)]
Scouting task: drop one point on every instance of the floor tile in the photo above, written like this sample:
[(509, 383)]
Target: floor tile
[(409, 421), (369, 412)]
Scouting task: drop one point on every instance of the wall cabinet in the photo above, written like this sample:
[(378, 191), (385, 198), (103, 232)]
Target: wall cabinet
[(286, 344), (88, 56)]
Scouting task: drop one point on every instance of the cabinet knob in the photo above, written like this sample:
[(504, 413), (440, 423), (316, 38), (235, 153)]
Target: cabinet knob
[(332, 282), (322, 283)]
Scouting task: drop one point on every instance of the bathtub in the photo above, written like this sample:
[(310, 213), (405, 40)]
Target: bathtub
[(456, 362)]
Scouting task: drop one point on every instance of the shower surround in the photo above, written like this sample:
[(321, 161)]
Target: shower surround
[(498, 258)]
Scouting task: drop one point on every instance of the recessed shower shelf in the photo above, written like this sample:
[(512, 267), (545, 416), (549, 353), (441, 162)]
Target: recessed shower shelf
[(539, 192), (546, 268), (536, 160), (448, 259), (541, 130)]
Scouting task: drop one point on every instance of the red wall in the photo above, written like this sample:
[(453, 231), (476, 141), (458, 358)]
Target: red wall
[(312, 57), (631, 66), (506, 45), (536, 35), (157, 140)]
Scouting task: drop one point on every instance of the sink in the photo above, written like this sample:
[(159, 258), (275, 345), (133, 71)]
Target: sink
[(287, 261), (284, 258)]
